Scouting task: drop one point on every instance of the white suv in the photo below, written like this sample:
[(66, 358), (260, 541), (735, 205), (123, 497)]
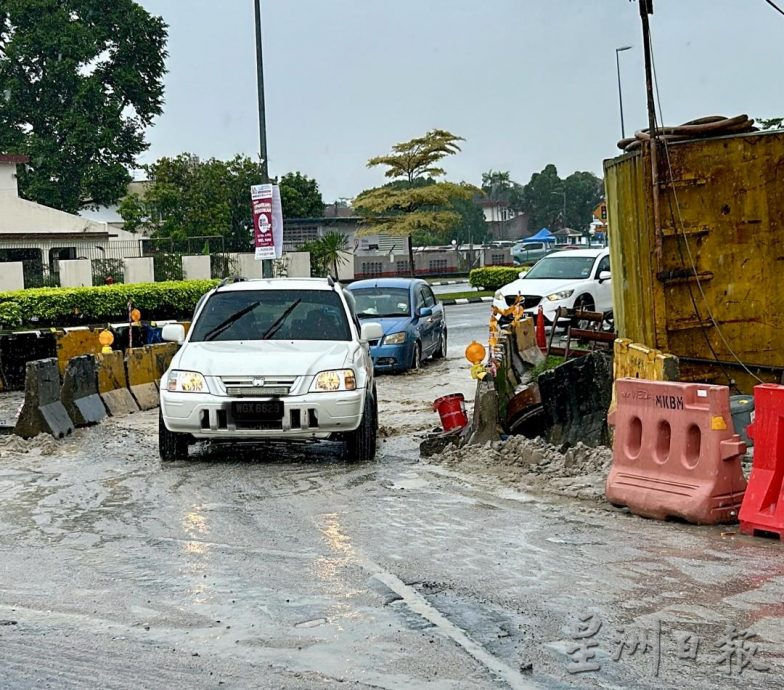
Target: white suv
[(282, 359)]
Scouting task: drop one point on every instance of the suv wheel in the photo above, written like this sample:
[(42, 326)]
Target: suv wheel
[(171, 445), (583, 303), (440, 353), (361, 443)]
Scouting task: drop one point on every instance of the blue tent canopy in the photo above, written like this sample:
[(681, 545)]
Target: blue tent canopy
[(544, 235)]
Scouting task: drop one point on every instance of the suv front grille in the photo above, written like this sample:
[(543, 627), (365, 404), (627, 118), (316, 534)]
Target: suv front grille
[(254, 386)]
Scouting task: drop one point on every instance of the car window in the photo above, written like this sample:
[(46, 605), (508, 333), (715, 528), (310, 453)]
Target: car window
[(429, 297), (558, 266), (272, 315), (420, 298), (604, 265), (381, 301)]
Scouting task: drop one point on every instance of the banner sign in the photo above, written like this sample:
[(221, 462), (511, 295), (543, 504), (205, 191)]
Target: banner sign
[(261, 203), (277, 221)]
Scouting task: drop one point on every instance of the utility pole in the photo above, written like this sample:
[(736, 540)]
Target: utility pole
[(646, 8), (266, 264)]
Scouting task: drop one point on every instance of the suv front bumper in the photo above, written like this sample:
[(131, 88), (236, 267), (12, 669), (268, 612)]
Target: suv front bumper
[(310, 416)]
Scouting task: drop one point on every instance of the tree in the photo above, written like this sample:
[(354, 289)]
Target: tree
[(415, 201), (80, 81), (326, 253), (300, 196), (552, 202), (770, 123), (187, 197)]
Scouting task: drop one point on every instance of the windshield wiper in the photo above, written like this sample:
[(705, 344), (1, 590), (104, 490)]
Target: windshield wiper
[(223, 325), (279, 321)]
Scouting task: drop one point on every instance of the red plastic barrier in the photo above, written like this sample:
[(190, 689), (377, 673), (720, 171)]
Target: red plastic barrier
[(541, 340), (451, 409), (675, 453), (763, 505)]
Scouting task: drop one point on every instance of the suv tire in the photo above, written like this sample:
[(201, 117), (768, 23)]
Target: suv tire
[(171, 445), (416, 357), (361, 443)]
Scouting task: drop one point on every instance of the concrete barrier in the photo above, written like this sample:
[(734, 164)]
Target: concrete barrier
[(76, 273), (636, 361), (113, 384), (42, 411), (75, 343), (12, 276), (141, 371), (79, 392), (17, 349)]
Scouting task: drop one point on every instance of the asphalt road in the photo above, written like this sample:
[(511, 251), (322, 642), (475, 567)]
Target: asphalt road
[(267, 567)]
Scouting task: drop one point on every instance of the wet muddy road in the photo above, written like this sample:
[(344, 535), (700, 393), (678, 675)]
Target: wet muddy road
[(280, 568)]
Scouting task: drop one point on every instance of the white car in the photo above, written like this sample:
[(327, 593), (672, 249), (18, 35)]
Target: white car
[(283, 359), (573, 278)]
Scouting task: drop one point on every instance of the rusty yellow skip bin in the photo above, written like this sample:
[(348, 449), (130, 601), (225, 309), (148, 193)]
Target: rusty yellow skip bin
[(714, 294)]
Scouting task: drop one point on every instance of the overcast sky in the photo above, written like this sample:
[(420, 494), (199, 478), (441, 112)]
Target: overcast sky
[(526, 82)]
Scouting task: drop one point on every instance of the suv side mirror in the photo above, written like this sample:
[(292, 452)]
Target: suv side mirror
[(604, 275), (371, 331), (522, 274), (173, 332), (424, 312)]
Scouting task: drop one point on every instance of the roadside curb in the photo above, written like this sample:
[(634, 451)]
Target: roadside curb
[(465, 300), (450, 282)]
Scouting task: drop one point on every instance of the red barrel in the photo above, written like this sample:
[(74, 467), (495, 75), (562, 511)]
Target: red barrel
[(451, 409)]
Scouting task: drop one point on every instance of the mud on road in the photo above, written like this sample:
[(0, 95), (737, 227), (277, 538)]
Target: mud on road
[(266, 566)]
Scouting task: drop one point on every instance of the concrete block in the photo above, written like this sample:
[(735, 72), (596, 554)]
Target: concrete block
[(247, 266), (139, 270), (196, 267), (42, 411), (345, 266), (162, 354), (11, 276), (484, 424), (141, 372), (113, 384), (74, 343), (75, 272), (298, 264), (79, 392)]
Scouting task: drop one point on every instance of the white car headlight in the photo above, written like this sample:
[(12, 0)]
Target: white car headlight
[(334, 380), (498, 295), (395, 338), (564, 294), (186, 382)]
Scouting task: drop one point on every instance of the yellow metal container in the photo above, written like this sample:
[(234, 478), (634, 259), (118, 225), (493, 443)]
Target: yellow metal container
[(715, 295)]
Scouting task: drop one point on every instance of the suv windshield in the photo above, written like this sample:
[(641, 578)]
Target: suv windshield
[(379, 302), (561, 267), (272, 315)]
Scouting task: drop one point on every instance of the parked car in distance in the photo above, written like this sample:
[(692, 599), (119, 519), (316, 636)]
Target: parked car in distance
[(283, 359), (576, 278), (412, 319), (527, 253)]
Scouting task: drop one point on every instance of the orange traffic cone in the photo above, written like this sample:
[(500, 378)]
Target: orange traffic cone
[(541, 340)]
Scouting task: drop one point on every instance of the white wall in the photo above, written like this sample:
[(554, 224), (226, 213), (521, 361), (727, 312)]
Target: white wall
[(139, 270), (75, 272), (11, 275), (196, 267), (298, 264), (247, 266)]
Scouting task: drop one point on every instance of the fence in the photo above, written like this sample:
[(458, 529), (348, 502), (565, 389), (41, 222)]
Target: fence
[(41, 262)]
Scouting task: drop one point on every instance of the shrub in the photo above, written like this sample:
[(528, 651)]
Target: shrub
[(493, 277), (74, 306)]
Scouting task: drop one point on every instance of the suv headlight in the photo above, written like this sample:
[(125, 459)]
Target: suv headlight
[(186, 382), (498, 295), (395, 338), (564, 294), (334, 380)]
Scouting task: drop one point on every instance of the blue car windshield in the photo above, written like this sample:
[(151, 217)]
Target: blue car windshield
[(560, 267), (377, 302)]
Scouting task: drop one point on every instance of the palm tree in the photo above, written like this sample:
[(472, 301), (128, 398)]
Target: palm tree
[(331, 246)]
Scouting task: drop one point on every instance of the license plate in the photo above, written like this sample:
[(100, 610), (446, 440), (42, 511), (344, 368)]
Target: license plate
[(251, 411)]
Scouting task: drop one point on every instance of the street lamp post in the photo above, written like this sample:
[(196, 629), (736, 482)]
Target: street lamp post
[(620, 94), (266, 264)]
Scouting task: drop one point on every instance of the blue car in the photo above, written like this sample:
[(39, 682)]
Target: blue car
[(412, 318)]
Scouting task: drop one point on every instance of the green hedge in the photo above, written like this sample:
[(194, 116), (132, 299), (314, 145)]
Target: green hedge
[(493, 277), (88, 305)]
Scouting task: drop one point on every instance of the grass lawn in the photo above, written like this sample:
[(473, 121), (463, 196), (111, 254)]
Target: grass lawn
[(467, 293)]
